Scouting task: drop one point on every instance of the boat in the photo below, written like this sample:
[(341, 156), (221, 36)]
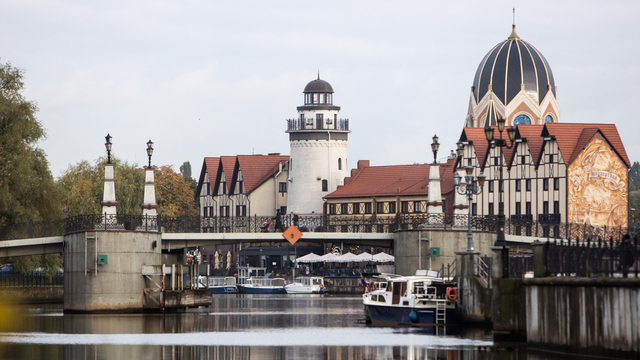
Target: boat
[(223, 285), (262, 285), (306, 285), (424, 299)]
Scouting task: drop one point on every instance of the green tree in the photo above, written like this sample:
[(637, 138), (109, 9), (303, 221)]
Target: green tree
[(185, 170), (83, 186), (27, 188)]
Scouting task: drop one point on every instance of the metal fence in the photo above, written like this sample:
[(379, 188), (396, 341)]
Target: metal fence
[(523, 225), (520, 265), (30, 280), (593, 258)]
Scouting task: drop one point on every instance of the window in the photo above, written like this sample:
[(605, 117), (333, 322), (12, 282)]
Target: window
[(528, 184), (223, 184), (241, 210), (550, 158), (495, 161), (283, 210), (207, 190), (490, 183), (545, 207), (367, 208), (392, 207), (523, 159), (344, 208), (282, 187), (356, 208), (417, 206), (468, 161), (380, 207), (224, 211), (501, 185), (325, 185), (490, 208), (518, 208), (556, 183), (404, 207), (339, 164), (501, 207), (528, 208), (332, 209), (548, 119), (319, 120), (518, 185), (240, 187), (556, 207), (522, 119), (205, 211), (545, 184), (474, 209)]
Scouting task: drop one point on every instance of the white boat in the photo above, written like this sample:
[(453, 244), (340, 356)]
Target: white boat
[(422, 299), (306, 285)]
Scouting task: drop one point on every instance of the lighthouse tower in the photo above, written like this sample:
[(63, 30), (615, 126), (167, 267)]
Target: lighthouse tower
[(318, 157)]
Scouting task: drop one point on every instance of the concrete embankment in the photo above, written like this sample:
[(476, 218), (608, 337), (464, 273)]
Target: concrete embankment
[(33, 295)]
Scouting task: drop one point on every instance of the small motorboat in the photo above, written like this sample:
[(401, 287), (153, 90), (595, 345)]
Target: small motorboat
[(423, 299), (262, 285), (307, 285), (223, 285)]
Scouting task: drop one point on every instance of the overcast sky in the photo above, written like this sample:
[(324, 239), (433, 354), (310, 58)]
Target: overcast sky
[(211, 78)]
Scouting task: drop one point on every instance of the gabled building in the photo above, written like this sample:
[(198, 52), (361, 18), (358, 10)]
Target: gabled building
[(376, 196), (552, 174), (243, 185)]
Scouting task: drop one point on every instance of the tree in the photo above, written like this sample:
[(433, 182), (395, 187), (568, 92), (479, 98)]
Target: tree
[(185, 170), (27, 188), (82, 187), (174, 194), (634, 194)]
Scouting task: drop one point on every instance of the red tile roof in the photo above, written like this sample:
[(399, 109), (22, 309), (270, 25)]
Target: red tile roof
[(256, 169), (534, 140), (393, 180), (571, 140), (209, 166), (479, 140), (228, 166)]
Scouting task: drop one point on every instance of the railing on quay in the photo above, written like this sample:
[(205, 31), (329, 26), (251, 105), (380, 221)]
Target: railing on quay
[(593, 257), (29, 280), (32, 229)]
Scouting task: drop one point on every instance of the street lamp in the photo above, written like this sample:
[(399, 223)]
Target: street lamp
[(108, 146), (150, 151), (501, 143), (469, 187), (434, 147)]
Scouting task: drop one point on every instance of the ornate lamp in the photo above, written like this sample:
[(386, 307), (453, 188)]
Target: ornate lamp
[(108, 146), (434, 147), (150, 150)]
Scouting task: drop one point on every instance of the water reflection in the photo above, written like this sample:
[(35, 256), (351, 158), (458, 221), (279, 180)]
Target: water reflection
[(240, 327)]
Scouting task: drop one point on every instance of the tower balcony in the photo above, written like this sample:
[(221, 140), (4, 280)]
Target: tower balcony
[(311, 124)]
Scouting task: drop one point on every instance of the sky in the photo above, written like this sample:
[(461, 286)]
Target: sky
[(212, 78)]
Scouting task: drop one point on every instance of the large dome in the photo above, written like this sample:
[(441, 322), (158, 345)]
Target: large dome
[(318, 86), (511, 66)]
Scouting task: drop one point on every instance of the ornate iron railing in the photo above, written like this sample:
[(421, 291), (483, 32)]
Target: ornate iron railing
[(367, 223), (520, 265), (593, 258)]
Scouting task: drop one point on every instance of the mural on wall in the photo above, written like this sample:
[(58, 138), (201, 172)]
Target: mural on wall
[(598, 186)]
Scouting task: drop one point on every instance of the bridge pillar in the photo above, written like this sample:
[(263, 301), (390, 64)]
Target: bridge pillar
[(103, 269)]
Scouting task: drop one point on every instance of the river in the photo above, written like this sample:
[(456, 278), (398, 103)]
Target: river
[(239, 327)]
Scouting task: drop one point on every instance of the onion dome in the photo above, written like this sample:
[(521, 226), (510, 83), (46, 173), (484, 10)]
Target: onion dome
[(318, 86), (511, 66)]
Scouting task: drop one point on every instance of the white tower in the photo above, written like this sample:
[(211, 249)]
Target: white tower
[(318, 139)]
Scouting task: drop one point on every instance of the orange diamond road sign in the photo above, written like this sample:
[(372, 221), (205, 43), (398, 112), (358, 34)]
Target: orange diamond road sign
[(292, 234)]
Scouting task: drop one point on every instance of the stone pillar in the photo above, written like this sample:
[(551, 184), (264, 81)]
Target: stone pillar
[(471, 298), (460, 202), (434, 206), (109, 202), (540, 258), (149, 205), (498, 255)]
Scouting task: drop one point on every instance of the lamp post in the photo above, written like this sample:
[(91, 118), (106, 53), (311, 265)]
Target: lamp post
[(108, 146), (434, 147), (150, 151), (500, 143), (469, 187)]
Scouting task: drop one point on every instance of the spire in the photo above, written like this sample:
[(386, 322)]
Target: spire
[(492, 113), (318, 74), (513, 35)]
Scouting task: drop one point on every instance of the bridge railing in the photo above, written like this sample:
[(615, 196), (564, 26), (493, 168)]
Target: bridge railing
[(523, 225)]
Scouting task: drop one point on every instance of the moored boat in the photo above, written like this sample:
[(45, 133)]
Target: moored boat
[(262, 286), (422, 299), (223, 285), (306, 285)]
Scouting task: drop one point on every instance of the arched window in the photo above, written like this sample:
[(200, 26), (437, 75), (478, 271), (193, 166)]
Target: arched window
[(339, 164), (548, 119), (522, 119)]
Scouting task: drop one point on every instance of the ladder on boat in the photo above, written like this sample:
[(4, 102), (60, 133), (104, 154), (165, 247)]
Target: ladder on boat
[(441, 312)]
